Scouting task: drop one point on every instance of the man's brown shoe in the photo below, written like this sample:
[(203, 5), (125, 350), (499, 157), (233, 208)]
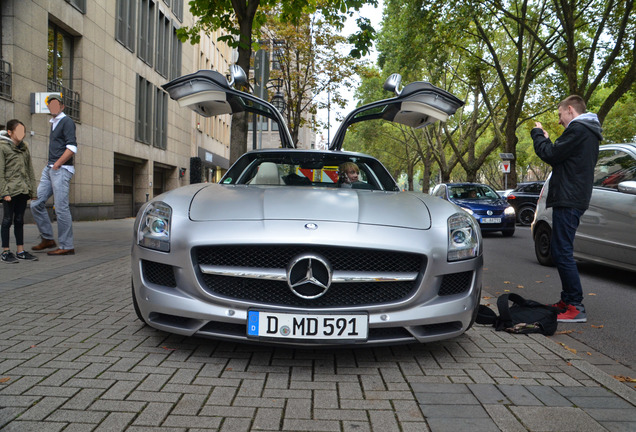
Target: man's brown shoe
[(44, 244), (61, 252)]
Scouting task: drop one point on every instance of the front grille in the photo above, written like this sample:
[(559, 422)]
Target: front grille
[(340, 258), (455, 283), (350, 259), (495, 213), (278, 293), (157, 273)]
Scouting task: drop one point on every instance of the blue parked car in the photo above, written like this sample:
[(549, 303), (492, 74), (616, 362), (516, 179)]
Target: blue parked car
[(491, 210)]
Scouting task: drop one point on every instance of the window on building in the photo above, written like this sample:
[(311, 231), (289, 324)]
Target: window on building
[(80, 5), (277, 54), (160, 119), (60, 61), (60, 69), (175, 64), (262, 123), (125, 23), (146, 36), (151, 114), (177, 9), (6, 77), (143, 123), (164, 42)]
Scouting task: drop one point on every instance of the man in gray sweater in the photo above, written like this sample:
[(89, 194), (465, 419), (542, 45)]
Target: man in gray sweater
[(56, 181)]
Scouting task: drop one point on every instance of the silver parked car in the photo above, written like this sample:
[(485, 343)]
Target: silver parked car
[(287, 249), (607, 232)]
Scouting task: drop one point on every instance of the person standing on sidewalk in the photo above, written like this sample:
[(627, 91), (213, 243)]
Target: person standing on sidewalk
[(17, 186), (573, 157), (56, 181)]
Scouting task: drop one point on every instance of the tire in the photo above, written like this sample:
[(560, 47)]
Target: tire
[(508, 232), (526, 215), (542, 240), (135, 304)]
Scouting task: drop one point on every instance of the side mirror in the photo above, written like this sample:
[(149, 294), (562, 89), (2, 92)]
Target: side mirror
[(628, 187), (392, 84), (238, 76)]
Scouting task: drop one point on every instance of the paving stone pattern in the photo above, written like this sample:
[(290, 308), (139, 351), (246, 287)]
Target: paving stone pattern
[(73, 357)]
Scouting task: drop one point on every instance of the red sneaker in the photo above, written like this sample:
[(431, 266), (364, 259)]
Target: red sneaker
[(573, 314), (561, 306)]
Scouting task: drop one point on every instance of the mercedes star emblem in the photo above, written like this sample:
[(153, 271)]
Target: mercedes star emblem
[(309, 276)]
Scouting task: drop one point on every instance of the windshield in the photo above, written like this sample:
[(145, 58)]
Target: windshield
[(473, 192), (310, 169)]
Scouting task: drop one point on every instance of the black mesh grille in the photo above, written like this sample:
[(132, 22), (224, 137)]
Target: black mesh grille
[(160, 274), (456, 283), (340, 258), (278, 293)]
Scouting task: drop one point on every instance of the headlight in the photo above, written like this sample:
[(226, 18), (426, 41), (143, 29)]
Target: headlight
[(464, 237), (154, 227), (509, 211)]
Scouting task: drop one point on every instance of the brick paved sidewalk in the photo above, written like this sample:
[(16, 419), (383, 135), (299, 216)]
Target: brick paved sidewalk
[(73, 357)]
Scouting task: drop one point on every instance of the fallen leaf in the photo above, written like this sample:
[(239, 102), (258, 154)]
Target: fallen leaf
[(486, 298), (507, 282), (515, 377), (169, 349), (589, 353), (506, 290), (564, 332), (597, 326), (520, 286), (4, 380), (538, 281), (572, 350), (569, 364), (33, 346), (623, 378), (591, 294)]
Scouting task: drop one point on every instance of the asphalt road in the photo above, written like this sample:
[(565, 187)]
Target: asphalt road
[(609, 294)]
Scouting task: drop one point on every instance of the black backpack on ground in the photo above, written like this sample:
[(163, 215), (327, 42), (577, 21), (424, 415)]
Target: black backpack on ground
[(524, 316)]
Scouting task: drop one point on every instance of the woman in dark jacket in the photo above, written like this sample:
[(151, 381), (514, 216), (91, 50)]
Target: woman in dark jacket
[(17, 186)]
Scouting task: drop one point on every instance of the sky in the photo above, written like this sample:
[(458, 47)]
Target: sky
[(375, 15)]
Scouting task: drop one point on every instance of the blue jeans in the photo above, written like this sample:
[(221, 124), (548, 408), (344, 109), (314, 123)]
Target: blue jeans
[(565, 222), (56, 183)]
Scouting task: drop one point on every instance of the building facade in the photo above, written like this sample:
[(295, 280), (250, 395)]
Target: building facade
[(109, 60)]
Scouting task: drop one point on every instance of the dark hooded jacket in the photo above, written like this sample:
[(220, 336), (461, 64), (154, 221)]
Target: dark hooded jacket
[(573, 157)]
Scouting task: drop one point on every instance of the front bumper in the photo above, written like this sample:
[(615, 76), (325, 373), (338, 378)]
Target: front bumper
[(173, 295)]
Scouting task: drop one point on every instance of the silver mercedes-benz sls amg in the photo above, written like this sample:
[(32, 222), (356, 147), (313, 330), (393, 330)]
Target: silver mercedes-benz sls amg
[(307, 247)]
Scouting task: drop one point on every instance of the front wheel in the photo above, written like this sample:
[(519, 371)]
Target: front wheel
[(542, 245), (526, 215)]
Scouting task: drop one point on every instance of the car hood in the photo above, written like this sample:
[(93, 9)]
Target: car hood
[(482, 203), (239, 202)]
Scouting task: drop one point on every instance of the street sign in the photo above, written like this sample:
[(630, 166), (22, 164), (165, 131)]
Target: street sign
[(505, 166), (507, 156)]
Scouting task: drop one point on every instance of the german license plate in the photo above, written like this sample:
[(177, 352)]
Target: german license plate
[(307, 326), (490, 220)]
